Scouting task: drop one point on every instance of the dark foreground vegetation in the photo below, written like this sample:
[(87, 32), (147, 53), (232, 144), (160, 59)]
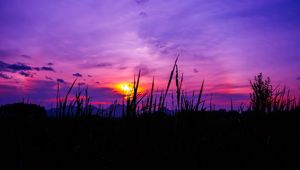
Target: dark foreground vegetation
[(189, 140), (264, 136)]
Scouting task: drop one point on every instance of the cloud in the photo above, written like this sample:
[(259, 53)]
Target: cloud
[(60, 80), (42, 86), (97, 82), (229, 86), (44, 69), (145, 70), (5, 67), (47, 69), (90, 76), (37, 91), (104, 65), (141, 1), (106, 93), (143, 14), (37, 68), (298, 78), (81, 83), (25, 74), (19, 67), (77, 75), (227, 96), (50, 64), (122, 68), (195, 70), (4, 76), (25, 56), (48, 78)]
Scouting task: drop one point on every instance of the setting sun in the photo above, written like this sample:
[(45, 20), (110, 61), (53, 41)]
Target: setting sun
[(124, 88), (127, 89)]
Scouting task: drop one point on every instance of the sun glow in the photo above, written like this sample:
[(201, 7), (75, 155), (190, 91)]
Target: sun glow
[(124, 88), (127, 89)]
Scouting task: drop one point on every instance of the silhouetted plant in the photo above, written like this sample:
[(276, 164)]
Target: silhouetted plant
[(78, 107), (185, 140), (133, 100), (23, 111), (262, 93), (169, 83)]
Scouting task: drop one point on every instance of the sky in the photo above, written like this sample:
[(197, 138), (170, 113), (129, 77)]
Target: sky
[(104, 43)]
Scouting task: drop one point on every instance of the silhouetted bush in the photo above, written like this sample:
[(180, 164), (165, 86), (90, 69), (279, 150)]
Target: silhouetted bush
[(261, 97), (23, 111)]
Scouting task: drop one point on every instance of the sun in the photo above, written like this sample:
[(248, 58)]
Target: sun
[(127, 89), (124, 88)]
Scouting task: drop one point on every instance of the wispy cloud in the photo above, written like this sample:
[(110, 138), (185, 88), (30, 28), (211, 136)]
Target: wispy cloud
[(81, 84), (47, 69), (5, 67), (18, 67), (123, 68), (145, 70), (25, 56), (77, 75), (60, 80), (141, 1), (48, 78), (104, 65), (4, 76), (25, 74)]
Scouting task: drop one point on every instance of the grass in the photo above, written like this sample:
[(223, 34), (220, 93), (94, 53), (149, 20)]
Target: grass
[(264, 136), (263, 99)]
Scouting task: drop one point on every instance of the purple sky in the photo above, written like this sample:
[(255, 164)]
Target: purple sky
[(104, 42)]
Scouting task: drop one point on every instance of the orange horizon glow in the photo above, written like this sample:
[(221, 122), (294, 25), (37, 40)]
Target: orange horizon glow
[(126, 89)]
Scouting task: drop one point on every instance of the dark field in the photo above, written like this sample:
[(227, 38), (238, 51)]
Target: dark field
[(188, 140)]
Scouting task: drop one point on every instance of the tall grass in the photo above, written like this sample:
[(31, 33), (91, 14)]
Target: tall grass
[(264, 99), (78, 107)]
